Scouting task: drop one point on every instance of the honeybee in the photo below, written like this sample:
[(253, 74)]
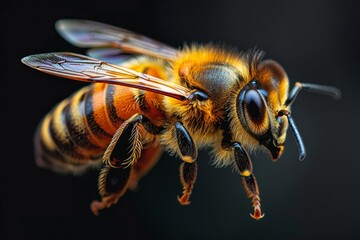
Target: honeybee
[(162, 99)]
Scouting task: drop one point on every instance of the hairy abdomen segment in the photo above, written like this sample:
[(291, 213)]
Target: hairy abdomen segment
[(74, 135)]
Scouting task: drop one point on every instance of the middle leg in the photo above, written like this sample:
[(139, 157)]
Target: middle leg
[(188, 168), (188, 173)]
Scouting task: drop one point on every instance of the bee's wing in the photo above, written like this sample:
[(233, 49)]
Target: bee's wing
[(84, 68), (110, 55), (90, 34)]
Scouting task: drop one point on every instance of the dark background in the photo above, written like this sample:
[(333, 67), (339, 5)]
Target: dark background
[(315, 41)]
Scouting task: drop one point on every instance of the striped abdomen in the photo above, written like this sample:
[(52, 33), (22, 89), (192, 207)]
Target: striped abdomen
[(75, 134)]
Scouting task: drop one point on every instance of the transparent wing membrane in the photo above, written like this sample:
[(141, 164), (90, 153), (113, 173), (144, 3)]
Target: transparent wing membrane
[(83, 68), (90, 34)]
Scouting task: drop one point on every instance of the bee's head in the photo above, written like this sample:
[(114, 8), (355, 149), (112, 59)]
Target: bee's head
[(263, 104), (260, 106)]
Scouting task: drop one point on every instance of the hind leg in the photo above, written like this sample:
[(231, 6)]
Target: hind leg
[(113, 183), (120, 161)]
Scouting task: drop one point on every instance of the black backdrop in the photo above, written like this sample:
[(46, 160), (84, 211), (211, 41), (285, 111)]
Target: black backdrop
[(315, 41)]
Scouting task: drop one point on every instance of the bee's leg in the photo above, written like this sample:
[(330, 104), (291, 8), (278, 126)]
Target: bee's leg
[(252, 191), (113, 183), (188, 151), (119, 158), (188, 173), (241, 157), (244, 165), (188, 169), (125, 146)]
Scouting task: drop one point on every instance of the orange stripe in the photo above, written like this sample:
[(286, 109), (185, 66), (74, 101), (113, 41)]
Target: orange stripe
[(126, 106), (124, 102)]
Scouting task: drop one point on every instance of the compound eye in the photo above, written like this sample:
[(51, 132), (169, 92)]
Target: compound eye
[(254, 106), (255, 111)]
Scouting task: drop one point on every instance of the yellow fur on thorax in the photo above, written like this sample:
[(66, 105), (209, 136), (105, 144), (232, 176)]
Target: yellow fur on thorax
[(202, 54), (211, 135)]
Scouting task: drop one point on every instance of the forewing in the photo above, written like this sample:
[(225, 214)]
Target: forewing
[(90, 34), (84, 68)]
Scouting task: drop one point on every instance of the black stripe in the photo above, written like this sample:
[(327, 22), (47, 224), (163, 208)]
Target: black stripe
[(141, 101), (66, 147), (110, 106), (78, 134), (89, 116)]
